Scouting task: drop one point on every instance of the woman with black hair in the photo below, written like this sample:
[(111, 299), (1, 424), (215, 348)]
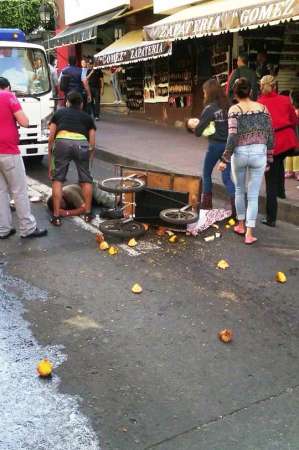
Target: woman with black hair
[(249, 148), (215, 114)]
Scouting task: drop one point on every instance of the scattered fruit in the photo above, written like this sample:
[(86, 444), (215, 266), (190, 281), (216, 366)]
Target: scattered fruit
[(44, 368), (209, 238), (136, 289), (222, 264), (225, 335), (281, 277), (169, 233), (173, 239), (161, 231), (99, 238), (104, 245), (232, 222), (132, 242), (227, 226), (113, 251)]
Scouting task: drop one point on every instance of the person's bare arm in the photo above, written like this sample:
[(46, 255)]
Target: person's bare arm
[(73, 212), (51, 139), (92, 142), (102, 86), (87, 88), (22, 119)]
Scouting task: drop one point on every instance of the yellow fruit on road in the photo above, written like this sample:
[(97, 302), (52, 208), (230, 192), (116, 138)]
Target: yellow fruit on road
[(281, 277), (104, 245), (132, 242), (113, 251), (169, 233), (232, 222), (225, 336), (222, 264), (44, 368), (173, 239), (227, 226), (136, 289)]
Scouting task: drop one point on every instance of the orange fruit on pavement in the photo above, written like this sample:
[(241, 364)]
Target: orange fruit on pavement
[(113, 251), (104, 245), (281, 277), (44, 368), (225, 335), (99, 238), (136, 289), (132, 242), (222, 264)]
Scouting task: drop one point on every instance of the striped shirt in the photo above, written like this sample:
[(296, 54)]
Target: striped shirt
[(249, 128)]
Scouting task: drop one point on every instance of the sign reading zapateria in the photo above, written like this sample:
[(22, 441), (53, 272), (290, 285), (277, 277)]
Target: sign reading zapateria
[(262, 13), (140, 53)]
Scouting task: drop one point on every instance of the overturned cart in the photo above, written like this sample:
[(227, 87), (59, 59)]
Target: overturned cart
[(152, 197)]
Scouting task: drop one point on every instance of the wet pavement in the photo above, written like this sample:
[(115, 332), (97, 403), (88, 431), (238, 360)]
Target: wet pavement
[(148, 372)]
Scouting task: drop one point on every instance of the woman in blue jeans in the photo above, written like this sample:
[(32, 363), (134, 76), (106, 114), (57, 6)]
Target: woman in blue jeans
[(249, 148), (216, 111)]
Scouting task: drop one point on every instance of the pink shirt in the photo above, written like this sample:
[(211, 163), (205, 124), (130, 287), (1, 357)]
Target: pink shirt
[(9, 136)]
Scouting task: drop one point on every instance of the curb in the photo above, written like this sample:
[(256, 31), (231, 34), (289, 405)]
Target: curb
[(287, 212)]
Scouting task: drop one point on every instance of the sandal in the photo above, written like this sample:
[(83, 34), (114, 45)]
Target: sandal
[(87, 217), (238, 229), (249, 240), (56, 221)]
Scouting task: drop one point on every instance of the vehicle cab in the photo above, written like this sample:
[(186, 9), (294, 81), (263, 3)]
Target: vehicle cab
[(25, 66)]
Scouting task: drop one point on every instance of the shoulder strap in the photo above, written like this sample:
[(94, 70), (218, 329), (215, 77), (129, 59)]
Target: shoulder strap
[(239, 107)]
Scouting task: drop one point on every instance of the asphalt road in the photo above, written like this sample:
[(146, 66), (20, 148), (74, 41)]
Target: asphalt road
[(148, 372)]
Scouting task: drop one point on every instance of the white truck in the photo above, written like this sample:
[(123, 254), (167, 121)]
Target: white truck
[(25, 66)]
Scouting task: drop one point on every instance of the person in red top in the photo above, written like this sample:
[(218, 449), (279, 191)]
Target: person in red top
[(12, 172), (284, 121)]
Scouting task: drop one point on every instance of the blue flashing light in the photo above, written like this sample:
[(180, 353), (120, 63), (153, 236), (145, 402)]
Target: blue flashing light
[(12, 34)]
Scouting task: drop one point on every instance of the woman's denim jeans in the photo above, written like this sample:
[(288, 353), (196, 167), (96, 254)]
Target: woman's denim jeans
[(215, 151), (248, 165)]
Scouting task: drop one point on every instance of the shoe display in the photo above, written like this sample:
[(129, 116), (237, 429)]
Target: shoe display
[(36, 233), (269, 223), (11, 233)]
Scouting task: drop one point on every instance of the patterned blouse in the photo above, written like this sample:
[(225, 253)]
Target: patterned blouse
[(249, 128)]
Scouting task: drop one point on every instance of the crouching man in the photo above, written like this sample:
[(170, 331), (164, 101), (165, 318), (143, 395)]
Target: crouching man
[(72, 138)]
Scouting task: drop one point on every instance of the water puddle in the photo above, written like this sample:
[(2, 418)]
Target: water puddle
[(34, 414)]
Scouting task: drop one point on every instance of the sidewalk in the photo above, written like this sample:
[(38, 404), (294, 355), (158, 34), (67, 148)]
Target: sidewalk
[(123, 140)]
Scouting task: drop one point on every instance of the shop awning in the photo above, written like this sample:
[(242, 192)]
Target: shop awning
[(83, 31), (218, 16), (131, 48)]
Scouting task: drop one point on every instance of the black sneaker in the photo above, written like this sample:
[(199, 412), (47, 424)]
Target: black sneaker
[(269, 223), (36, 233), (11, 233)]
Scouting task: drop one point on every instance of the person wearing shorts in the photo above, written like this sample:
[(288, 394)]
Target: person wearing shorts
[(71, 138)]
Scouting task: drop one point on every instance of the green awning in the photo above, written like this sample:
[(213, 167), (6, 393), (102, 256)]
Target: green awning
[(83, 31)]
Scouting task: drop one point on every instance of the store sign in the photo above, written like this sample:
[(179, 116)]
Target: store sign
[(140, 53), (77, 10), (260, 14)]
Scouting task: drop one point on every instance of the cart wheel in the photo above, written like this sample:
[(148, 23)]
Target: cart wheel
[(178, 217), (119, 228), (121, 185)]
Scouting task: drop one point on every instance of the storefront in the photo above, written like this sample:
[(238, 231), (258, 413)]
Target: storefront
[(206, 40), (266, 26)]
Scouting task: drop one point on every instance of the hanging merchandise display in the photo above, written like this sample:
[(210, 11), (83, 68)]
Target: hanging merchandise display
[(134, 82)]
